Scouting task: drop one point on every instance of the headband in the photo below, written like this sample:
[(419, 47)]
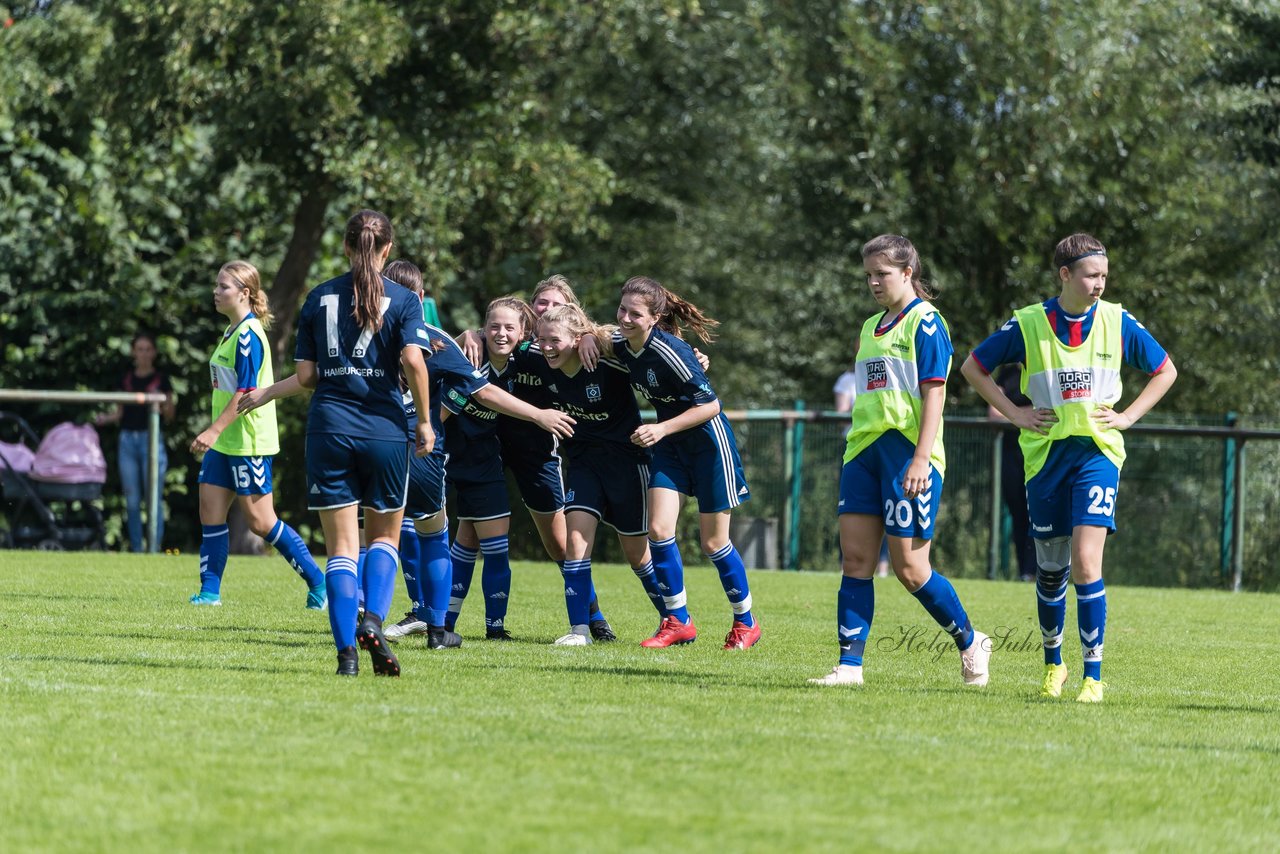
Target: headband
[(1082, 256)]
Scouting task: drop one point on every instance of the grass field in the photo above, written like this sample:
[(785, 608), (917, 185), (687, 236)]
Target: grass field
[(132, 721)]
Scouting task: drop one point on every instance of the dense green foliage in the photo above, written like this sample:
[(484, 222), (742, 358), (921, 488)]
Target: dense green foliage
[(739, 150), (143, 724)]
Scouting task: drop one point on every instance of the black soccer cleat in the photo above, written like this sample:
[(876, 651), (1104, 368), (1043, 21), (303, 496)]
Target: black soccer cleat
[(498, 635), (370, 638), (438, 637), (601, 631), (348, 661)]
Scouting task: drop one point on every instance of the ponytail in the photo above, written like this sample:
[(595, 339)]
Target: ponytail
[(900, 253), (674, 314), (367, 234), (245, 275)]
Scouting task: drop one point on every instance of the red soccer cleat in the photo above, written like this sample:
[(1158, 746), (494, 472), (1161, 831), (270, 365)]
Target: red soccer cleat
[(742, 636), (670, 633)]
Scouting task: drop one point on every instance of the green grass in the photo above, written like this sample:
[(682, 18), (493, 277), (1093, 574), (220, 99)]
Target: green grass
[(132, 721)]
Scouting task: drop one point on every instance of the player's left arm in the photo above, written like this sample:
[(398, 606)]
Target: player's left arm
[(933, 394), (1142, 351)]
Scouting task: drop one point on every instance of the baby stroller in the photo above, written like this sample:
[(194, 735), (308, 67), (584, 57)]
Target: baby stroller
[(51, 496)]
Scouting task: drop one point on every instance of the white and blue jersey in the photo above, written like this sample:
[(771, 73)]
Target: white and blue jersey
[(529, 451), (1077, 485), (608, 474), (702, 461)]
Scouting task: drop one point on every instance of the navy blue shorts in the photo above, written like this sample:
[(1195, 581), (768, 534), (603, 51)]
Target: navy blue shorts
[(1077, 486), (344, 470), (702, 462), (613, 487), (871, 483), (426, 485), (540, 482), (242, 475)]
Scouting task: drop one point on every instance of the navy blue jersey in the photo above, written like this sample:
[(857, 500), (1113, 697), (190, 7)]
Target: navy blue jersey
[(525, 377), (471, 435), (358, 371), (446, 368), (666, 372), (604, 407)]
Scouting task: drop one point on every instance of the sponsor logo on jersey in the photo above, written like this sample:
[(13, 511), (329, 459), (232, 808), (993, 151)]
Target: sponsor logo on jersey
[(900, 347), (593, 392), (877, 374), (1075, 384), (457, 397)]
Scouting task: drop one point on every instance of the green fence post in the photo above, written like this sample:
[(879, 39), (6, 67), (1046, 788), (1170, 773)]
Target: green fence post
[(994, 539), (797, 478), (1227, 527)]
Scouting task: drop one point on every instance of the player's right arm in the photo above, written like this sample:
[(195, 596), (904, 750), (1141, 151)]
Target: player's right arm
[(286, 387)]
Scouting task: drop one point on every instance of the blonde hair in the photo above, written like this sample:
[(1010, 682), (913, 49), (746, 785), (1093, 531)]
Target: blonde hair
[(520, 307), (246, 277), (559, 283), (571, 317)]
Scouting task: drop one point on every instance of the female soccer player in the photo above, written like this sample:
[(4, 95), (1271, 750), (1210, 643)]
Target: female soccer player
[(694, 453), (608, 473), (893, 466), (1071, 346), (238, 448)]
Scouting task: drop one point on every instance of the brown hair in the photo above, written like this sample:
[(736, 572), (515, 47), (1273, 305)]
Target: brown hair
[(246, 277), (405, 273), (673, 313), (367, 234), (559, 283), (900, 253), (1076, 247), (519, 306), (572, 317)]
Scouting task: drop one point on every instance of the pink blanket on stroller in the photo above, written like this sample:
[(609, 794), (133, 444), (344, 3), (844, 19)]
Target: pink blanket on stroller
[(70, 453)]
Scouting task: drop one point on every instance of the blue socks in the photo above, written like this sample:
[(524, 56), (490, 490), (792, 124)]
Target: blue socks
[(1051, 609), (213, 557), (577, 591), (495, 581), (380, 566), (733, 578), (340, 582), (435, 576), (855, 606), (295, 551), (939, 598), (409, 563), (649, 578), (670, 570), (464, 567), (1091, 614)]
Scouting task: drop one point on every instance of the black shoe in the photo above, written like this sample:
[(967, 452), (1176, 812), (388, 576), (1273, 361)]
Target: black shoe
[(370, 638), (498, 634), (348, 661), (601, 631), (438, 637)]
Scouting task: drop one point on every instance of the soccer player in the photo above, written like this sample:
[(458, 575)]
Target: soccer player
[(237, 449), (694, 453), (608, 473), (1071, 347), (894, 461)]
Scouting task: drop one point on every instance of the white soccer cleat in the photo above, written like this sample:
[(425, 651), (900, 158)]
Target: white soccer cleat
[(578, 636), (410, 625), (841, 674), (975, 662)]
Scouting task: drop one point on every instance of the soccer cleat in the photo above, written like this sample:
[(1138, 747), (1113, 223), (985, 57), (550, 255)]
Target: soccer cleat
[(671, 632), (841, 674), (317, 598), (742, 636), (602, 631), (438, 637), (369, 636), (976, 660), (1090, 691), (573, 639), (410, 625), (498, 635), (348, 661), (1055, 676), (205, 598)]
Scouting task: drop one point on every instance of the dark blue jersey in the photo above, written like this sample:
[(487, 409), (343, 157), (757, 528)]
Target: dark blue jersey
[(471, 435), (446, 368), (358, 370), (666, 372), (604, 407), (525, 377)]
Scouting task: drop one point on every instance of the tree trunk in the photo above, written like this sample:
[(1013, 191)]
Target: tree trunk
[(291, 280)]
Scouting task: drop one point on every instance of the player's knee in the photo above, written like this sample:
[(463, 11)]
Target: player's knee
[(1053, 560)]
